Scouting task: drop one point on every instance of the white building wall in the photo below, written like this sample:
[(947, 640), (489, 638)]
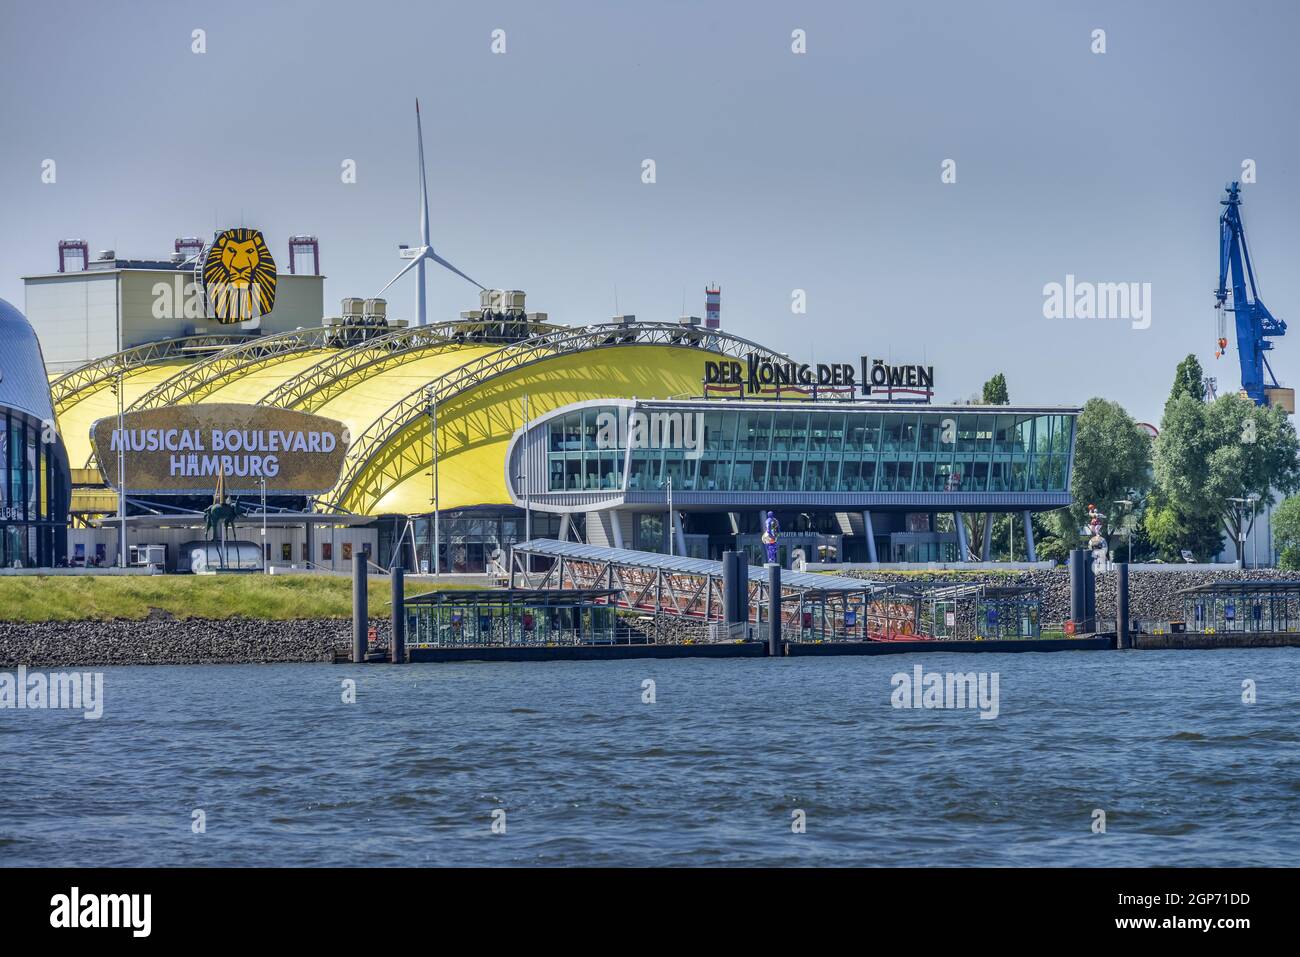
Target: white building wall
[(74, 320), (82, 316), (151, 310)]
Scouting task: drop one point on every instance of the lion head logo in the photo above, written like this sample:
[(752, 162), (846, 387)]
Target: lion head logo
[(239, 276)]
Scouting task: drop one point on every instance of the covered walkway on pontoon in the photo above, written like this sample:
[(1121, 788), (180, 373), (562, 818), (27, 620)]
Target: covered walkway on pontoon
[(813, 606)]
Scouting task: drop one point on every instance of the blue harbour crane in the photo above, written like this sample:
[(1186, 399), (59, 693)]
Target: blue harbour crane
[(1255, 324)]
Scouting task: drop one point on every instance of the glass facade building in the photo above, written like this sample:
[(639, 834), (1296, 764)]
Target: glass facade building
[(848, 481), (782, 450), (33, 495), (34, 477)]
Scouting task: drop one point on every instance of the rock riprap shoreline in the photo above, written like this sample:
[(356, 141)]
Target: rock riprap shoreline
[(164, 640)]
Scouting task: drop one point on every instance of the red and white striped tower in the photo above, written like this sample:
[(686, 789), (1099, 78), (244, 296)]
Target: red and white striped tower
[(712, 307)]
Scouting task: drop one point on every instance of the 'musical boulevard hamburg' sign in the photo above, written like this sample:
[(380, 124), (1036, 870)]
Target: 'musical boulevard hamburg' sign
[(182, 450)]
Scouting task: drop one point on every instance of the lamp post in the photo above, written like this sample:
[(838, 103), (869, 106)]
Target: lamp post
[(121, 471), (266, 564), (1128, 525), (671, 527), (1253, 499), (1241, 532), (528, 482), (433, 500)]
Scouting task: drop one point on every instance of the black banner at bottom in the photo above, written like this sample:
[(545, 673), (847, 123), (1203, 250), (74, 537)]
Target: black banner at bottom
[(333, 906)]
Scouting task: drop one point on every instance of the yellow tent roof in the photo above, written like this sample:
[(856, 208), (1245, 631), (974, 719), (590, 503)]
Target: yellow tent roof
[(475, 426)]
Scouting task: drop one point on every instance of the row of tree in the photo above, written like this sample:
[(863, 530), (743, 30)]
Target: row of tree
[(1183, 493)]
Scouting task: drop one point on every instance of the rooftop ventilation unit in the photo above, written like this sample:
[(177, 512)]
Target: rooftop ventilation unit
[(501, 302), (628, 335), (690, 330)]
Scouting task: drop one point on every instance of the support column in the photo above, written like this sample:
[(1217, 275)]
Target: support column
[(1076, 588), (399, 613), (986, 550), (678, 535), (870, 531), (360, 608), (1089, 593), (616, 523), (730, 589), (773, 610), (741, 563), (1122, 637), (564, 527), (1030, 551), (963, 548), (1083, 591)]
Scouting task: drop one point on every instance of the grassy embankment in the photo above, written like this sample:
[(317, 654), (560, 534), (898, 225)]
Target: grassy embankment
[(78, 597)]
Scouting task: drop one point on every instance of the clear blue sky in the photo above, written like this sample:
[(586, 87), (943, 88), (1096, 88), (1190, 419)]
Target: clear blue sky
[(775, 171)]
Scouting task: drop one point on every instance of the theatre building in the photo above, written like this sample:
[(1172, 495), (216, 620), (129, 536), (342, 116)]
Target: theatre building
[(462, 437), (34, 485)]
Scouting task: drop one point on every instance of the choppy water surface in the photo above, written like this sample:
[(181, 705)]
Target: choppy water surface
[(288, 774)]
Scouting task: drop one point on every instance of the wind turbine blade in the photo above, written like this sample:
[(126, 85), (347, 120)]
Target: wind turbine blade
[(424, 189), (402, 272), (442, 262)]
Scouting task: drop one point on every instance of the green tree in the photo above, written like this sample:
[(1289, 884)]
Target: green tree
[(995, 391), (1170, 532), (1210, 453), (1189, 380), (1286, 532), (1112, 460)]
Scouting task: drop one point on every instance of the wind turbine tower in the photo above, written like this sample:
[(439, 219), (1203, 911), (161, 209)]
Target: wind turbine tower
[(424, 251)]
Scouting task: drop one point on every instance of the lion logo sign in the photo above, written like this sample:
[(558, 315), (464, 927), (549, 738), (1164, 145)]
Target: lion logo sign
[(239, 276)]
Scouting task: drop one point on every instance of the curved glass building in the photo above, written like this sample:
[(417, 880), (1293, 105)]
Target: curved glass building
[(34, 481), (848, 480)]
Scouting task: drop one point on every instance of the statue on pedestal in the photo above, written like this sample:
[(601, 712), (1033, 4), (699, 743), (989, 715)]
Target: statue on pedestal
[(1097, 541)]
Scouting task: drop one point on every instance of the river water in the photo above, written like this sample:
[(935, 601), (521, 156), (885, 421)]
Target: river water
[(722, 767)]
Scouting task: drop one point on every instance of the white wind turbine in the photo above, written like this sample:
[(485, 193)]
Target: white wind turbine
[(419, 254)]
